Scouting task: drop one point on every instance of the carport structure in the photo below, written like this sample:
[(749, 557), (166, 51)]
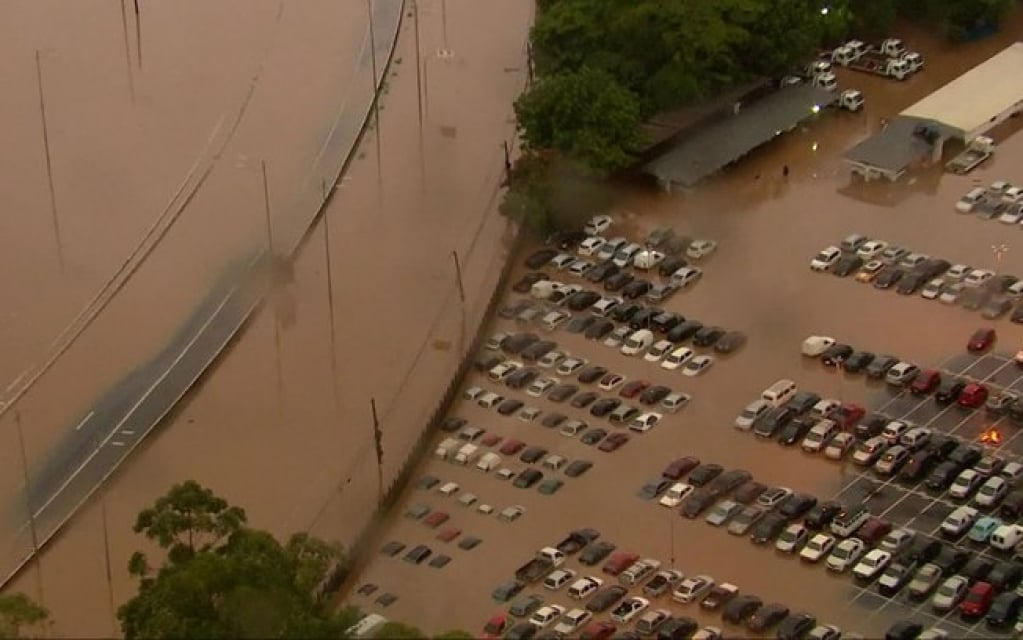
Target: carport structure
[(965, 108)]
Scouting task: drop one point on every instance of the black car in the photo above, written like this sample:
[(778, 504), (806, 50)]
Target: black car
[(522, 631), (911, 283), (526, 282), (584, 400), (604, 406), (509, 406), (904, 630), (599, 329), (591, 373), (532, 454), (704, 474), (949, 390), (836, 354), (418, 554), (820, 517), (605, 598), (636, 288), (796, 626), (1004, 610), (996, 307), (951, 560), (684, 331), (553, 419), (581, 300), (741, 608), (677, 628), (595, 552), (670, 265), (942, 476), (923, 549), (488, 362), (769, 527), (521, 377), (1012, 506), (643, 318), (508, 590), (1005, 576), (846, 265), (774, 421), (933, 267), (697, 502), (966, 455), (519, 342), (707, 336), (565, 240), (577, 467), (973, 298), (880, 365), (1015, 412), (731, 341), (666, 321), (540, 258), (978, 568), (767, 616), (797, 505), (537, 350), (888, 277), (943, 445), (593, 436), (624, 311), (730, 481), (618, 281), (527, 479), (919, 466), (858, 361), (654, 394), (871, 426), (601, 271), (896, 576), (581, 323), (794, 432), (803, 401)]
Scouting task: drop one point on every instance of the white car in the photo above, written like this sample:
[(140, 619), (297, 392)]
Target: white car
[(839, 446), (645, 421), (647, 259), (686, 276), (951, 293), (958, 271), (896, 541), (572, 621), (817, 548), (676, 494), (591, 245), (814, 346), (824, 632), (824, 407), (546, 615), (970, 199), (701, 249), (753, 412), (1012, 215), (872, 565), (825, 259), (1006, 537), (692, 588), (659, 350), (819, 435), (950, 594), (978, 277), (792, 538), (625, 255), (932, 289), (1012, 195), (489, 400), (697, 365), (583, 587), (604, 306), (611, 247), (503, 370), (677, 358), (571, 365), (871, 249), (552, 359), (579, 267), (965, 484), (598, 224), (562, 261), (558, 578), (959, 521), (629, 609), (901, 374), (992, 491), (541, 386), (845, 555)]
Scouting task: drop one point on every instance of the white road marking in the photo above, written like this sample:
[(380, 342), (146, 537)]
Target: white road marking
[(84, 420), (127, 432), (117, 443)]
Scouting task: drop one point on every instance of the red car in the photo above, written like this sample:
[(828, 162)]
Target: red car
[(634, 388), (978, 600), (613, 442), (598, 631), (618, 562), (973, 396), (981, 340), (926, 382), (873, 530), (449, 534), (680, 467), (490, 440), (436, 519), (847, 415), (495, 627), (511, 447)]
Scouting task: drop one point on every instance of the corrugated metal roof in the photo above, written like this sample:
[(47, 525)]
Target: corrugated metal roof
[(899, 145), (710, 148), (972, 99)]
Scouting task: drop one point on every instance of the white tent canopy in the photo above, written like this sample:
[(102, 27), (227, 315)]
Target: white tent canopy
[(979, 99)]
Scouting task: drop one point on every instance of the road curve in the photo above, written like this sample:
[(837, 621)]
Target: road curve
[(118, 422)]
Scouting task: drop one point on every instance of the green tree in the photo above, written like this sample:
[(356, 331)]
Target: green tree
[(781, 34), (586, 116), (873, 19), (18, 611), (399, 631), (455, 634), (547, 192), (221, 579)]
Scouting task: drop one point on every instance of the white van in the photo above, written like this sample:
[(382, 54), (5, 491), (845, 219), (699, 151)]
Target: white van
[(638, 571), (488, 462), (1006, 537), (466, 454), (447, 448), (779, 393), (846, 523), (544, 289), (638, 342), (367, 627)]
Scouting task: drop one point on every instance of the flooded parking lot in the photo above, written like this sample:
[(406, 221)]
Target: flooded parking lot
[(758, 282)]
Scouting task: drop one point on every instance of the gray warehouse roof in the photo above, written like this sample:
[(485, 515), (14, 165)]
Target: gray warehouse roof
[(899, 146), (710, 148)]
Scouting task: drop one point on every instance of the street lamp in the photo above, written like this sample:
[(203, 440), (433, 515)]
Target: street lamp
[(999, 250)]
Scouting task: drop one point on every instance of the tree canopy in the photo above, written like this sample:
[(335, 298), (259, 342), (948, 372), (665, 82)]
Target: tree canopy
[(18, 611)]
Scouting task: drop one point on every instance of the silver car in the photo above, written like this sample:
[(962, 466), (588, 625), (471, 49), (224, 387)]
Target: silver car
[(723, 512)]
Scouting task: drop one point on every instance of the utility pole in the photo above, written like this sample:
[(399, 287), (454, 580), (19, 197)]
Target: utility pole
[(419, 95), (127, 51), (138, 33), (274, 267), (378, 440), (106, 557), (33, 532), (376, 90), (49, 163), (458, 276), (330, 315)]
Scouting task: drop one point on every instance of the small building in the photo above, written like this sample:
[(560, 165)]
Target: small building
[(706, 149), (965, 108)]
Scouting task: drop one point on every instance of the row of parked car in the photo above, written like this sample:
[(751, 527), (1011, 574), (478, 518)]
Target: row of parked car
[(1002, 201), (888, 266), (848, 539)]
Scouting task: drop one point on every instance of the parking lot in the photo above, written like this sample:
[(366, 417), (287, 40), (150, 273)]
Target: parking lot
[(756, 282)]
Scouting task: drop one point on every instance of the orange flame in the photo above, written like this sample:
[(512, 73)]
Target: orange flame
[(991, 436)]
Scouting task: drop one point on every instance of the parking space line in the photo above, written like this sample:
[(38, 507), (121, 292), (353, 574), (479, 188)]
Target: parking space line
[(999, 369), (959, 425)]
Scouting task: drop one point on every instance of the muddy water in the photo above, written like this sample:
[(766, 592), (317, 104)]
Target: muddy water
[(758, 281), (287, 452)]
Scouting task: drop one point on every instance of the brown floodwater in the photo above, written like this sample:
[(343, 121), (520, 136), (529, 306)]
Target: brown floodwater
[(292, 454), (758, 281)]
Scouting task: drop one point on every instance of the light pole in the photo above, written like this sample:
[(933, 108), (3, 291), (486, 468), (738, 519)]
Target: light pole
[(49, 163), (999, 250), (275, 274)]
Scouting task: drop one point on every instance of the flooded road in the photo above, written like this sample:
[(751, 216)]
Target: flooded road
[(291, 453), (758, 282)]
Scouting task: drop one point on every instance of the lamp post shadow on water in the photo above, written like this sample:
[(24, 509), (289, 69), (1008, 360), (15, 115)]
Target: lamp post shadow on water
[(54, 218), (274, 266)]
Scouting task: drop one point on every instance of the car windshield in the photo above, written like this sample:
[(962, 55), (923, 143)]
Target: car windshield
[(843, 552), (948, 590), (749, 413)]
